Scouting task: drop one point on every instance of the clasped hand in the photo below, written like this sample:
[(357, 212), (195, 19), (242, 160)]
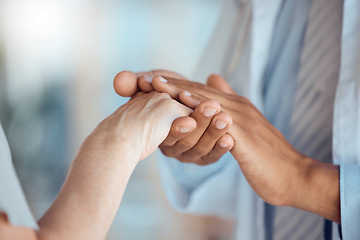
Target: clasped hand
[(261, 151), (138, 126), (275, 170)]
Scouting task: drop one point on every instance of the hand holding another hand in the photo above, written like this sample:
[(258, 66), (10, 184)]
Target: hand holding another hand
[(261, 150), (138, 126), (276, 171), (201, 138), (256, 144)]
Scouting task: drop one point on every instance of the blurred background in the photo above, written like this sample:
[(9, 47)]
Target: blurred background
[(57, 63)]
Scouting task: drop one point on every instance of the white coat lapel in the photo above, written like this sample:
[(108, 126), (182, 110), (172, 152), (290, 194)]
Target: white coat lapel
[(346, 139)]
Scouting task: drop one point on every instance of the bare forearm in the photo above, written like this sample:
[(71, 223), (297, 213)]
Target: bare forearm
[(320, 191), (90, 197), (93, 189)]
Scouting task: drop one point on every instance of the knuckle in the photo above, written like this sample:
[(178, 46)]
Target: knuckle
[(164, 95), (167, 151), (158, 95), (167, 102), (244, 99), (199, 151), (186, 159), (201, 124), (183, 145), (247, 106)]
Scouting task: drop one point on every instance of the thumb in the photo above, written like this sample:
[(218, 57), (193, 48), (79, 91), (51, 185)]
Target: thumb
[(125, 84), (216, 81)]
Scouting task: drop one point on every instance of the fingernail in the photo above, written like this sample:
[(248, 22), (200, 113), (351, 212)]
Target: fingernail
[(162, 79), (187, 93), (209, 111), (148, 78), (220, 124), (185, 129), (224, 145)]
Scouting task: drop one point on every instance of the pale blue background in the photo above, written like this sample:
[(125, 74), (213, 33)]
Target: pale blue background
[(57, 62)]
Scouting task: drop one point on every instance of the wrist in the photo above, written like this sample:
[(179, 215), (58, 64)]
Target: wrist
[(111, 149), (317, 189), (99, 175)]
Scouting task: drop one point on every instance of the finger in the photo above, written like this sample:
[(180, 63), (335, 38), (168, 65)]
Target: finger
[(160, 81), (218, 127), (223, 145), (161, 84), (161, 72), (203, 115), (216, 81), (125, 84), (191, 100), (174, 87), (145, 83), (145, 78), (180, 128)]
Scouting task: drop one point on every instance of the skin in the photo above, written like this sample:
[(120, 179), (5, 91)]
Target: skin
[(275, 170), (194, 139), (93, 189)]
